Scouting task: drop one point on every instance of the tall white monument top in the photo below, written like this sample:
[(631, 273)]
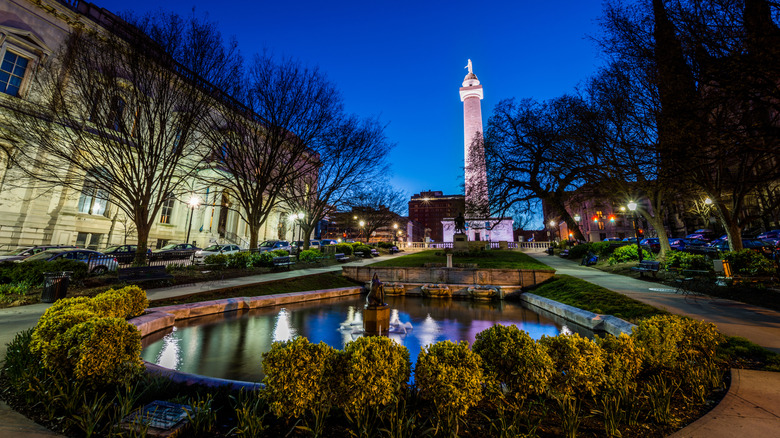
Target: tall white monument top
[(471, 79)]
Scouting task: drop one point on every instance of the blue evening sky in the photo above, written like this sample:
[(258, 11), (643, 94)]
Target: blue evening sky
[(404, 61)]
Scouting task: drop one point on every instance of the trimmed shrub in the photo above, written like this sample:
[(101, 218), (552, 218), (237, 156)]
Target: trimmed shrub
[(622, 362), (513, 358), (101, 351), (55, 324), (749, 262), (297, 377), (628, 253), (659, 336), (345, 248), (239, 260), (684, 260), (128, 302), (450, 376), (365, 249), (279, 252), (373, 371), (385, 245), (309, 255), (262, 259), (578, 364), (32, 272), (216, 259), (580, 250)]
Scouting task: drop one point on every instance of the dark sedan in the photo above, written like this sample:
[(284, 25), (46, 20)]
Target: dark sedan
[(98, 262), (652, 243), (752, 244), (124, 253), (685, 244), (174, 251)]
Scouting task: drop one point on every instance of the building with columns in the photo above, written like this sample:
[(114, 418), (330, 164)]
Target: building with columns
[(31, 32), (479, 225)]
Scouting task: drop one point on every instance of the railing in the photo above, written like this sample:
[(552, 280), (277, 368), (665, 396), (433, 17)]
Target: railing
[(493, 245), (236, 239)]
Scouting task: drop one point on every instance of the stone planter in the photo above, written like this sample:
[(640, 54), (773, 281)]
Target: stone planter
[(436, 291), (394, 289), (485, 293)]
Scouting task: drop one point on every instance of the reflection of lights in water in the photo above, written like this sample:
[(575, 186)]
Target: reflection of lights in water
[(282, 329), (427, 331), (566, 330), (169, 356)]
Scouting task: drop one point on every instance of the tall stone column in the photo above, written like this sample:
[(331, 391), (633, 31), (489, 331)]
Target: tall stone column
[(474, 152)]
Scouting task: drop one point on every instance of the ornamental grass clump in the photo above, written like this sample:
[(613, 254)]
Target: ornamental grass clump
[(449, 375), (518, 365)]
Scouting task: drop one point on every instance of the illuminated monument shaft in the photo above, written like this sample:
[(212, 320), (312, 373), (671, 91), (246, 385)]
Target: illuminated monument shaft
[(473, 149), (479, 225)]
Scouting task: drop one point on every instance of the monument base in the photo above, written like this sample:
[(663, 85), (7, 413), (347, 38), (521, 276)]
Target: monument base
[(376, 320), (460, 242), (480, 230)]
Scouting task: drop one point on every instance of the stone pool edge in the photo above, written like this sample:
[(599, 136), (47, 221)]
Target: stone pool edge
[(161, 318), (593, 321)]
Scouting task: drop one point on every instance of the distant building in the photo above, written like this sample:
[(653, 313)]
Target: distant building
[(429, 208)]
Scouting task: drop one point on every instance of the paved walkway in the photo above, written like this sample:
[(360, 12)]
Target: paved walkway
[(751, 408)]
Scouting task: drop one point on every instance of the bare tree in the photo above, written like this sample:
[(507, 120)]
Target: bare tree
[(377, 207), (536, 151), (261, 149), (351, 157), (117, 113)]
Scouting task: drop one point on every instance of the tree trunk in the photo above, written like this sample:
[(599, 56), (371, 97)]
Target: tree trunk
[(730, 223), (253, 232), (658, 224), (143, 243)]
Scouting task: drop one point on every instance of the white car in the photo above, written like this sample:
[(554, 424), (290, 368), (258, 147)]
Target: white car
[(199, 256)]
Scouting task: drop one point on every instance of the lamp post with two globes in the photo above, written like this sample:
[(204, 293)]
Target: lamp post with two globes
[(193, 203)]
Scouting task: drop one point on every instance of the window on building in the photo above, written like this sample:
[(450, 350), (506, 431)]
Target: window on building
[(93, 199), (167, 209), (116, 116), (161, 243), (12, 72), (89, 240)]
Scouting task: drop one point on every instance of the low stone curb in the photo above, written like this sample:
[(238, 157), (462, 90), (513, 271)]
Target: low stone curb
[(161, 318), (593, 321)]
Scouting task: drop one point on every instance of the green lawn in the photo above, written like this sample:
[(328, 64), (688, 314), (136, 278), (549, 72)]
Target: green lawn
[(328, 280), (593, 298), (493, 259)]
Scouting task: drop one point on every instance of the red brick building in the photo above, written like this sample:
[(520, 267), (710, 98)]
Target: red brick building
[(429, 208)]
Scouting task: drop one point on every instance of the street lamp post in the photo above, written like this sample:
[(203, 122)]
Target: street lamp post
[(193, 203), (395, 234), (577, 221), (632, 206), (300, 217), (362, 223)]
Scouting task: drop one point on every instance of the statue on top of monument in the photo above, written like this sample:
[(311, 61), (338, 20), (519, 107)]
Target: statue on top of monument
[(469, 67)]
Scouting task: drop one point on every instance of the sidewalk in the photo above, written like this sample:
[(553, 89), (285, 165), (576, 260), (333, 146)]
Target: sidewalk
[(759, 325)]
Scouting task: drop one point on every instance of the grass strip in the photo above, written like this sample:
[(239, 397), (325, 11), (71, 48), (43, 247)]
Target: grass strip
[(493, 259), (588, 296), (328, 280)]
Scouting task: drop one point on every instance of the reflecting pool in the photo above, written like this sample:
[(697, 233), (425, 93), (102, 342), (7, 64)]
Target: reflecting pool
[(230, 345)]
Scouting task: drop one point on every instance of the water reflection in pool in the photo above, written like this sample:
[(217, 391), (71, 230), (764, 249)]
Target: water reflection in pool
[(231, 345)]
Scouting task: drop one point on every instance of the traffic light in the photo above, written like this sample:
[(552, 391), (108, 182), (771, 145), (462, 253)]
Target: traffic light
[(612, 218), (595, 219)]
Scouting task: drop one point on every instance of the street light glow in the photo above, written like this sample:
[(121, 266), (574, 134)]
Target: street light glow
[(708, 201), (552, 223), (362, 223), (194, 201), (632, 206)]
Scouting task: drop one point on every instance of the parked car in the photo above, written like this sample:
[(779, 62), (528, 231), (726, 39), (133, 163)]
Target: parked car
[(174, 251), (201, 255), (612, 239), (22, 253), (684, 243), (630, 239), (98, 262), (651, 243), (704, 234), (753, 244), (125, 253), (769, 235), (313, 244), (273, 245), (325, 242)]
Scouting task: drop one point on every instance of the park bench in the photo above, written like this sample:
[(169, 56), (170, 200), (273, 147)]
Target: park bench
[(358, 254), (144, 273), (647, 266), (374, 252), (283, 261), (564, 253), (341, 257), (394, 250)]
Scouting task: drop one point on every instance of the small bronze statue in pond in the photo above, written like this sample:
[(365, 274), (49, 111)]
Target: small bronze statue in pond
[(376, 297)]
